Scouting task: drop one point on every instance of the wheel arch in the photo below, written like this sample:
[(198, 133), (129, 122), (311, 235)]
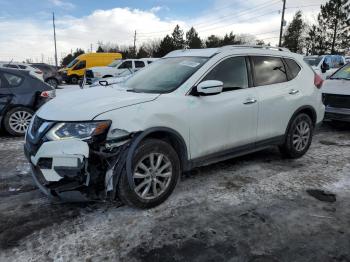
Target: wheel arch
[(309, 110), (166, 134)]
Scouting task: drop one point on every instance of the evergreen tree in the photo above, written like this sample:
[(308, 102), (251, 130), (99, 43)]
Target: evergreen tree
[(229, 39), (178, 38), (335, 16), (99, 49), (213, 41), (142, 53), (192, 39), (166, 45), (293, 37)]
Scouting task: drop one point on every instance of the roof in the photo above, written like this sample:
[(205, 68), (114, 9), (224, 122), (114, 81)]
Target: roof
[(209, 52)]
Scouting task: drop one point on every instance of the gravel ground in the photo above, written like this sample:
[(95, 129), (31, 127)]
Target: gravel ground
[(253, 208)]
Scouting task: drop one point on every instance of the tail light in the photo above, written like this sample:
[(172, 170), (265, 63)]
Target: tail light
[(318, 81), (48, 94)]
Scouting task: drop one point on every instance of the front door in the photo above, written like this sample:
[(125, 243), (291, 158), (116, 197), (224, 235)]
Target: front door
[(226, 120)]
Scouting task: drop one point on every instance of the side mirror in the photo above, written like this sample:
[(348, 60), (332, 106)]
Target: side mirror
[(210, 87)]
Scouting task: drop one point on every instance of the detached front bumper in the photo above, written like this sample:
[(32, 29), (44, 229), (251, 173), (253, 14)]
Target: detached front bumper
[(338, 114), (59, 168)]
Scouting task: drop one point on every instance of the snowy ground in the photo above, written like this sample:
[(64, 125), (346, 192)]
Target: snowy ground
[(254, 208)]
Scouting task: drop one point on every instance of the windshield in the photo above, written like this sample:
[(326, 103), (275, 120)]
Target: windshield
[(165, 75), (343, 73), (115, 63), (313, 61), (72, 63)]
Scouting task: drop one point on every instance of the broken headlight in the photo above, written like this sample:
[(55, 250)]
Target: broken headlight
[(78, 130)]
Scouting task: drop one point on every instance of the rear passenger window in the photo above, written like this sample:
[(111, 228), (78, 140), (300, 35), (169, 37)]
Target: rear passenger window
[(268, 70), (293, 67), (139, 64), (232, 72), (13, 80)]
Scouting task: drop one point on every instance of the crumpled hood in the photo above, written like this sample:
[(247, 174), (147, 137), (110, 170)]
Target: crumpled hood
[(81, 105), (338, 87)]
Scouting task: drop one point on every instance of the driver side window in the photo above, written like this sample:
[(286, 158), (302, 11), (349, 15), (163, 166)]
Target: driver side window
[(81, 65), (126, 65), (232, 72)]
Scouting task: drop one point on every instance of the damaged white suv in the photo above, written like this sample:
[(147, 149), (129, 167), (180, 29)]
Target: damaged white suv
[(188, 109)]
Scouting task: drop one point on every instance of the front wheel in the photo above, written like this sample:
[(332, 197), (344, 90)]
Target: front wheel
[(52, 82), (299, 137), (156, 170), (74, 80)]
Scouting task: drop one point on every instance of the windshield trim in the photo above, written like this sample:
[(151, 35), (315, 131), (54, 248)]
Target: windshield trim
[(137, 90)]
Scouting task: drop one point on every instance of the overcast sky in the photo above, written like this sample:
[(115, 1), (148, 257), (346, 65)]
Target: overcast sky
[(26, 25)]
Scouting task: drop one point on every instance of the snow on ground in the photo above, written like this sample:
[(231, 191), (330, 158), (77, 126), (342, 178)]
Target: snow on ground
[(253, 208)]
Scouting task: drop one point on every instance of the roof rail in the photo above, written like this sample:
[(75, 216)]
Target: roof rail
[(257, 46)]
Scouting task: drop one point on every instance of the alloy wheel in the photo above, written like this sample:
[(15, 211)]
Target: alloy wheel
[(301, 135), (152, 176), (19, 121)]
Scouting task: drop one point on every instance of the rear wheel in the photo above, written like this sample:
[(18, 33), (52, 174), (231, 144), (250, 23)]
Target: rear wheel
[(17, 120), (156, 170), (52, 82), (299, 137)]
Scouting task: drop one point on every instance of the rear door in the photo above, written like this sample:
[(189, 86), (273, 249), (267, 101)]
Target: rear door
[(277, 96)]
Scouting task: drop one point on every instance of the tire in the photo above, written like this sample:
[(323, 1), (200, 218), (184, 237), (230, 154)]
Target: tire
[(298, 138), (136, 197), (17, 120), (74, 80), (52, 82)]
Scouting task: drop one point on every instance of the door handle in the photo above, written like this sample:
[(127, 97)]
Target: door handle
[(293, 92), (250, 101)]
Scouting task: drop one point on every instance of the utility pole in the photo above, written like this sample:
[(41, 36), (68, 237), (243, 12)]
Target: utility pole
[(282, 22), (135, 43), (54, 36), (91, 48)]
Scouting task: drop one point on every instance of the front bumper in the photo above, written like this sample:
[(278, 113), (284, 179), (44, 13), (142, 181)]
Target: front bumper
[(339, 114), (59, 168)]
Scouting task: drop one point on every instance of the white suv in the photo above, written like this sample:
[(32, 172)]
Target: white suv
[(191, 108)]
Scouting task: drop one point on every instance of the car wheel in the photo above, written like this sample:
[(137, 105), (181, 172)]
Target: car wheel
[(299, 137), (52, 82), (17, 120), (74, 80), (155, 172)]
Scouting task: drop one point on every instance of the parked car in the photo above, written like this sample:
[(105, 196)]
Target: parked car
[(347, 59), (113, 80), (50, 74), (325, 65), (21, 95), (117, 68), (336, 95), (26, 67), (75, 70), (189, 109)]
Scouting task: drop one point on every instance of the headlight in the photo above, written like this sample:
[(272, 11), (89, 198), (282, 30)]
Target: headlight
[(79, 130)]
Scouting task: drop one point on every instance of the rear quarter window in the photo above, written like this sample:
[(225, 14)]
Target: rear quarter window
[(293, 67), (12, 79)]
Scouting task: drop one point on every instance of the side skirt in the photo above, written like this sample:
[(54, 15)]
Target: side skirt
[(236, 152)]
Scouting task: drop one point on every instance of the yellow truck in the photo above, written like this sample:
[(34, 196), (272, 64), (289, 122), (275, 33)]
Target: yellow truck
[(75, 70)]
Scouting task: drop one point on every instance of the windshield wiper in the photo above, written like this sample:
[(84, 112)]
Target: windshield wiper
[(339, 78)]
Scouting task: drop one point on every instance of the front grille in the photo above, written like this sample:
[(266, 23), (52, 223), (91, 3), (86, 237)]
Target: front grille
[(337, 101), (89, 74)]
